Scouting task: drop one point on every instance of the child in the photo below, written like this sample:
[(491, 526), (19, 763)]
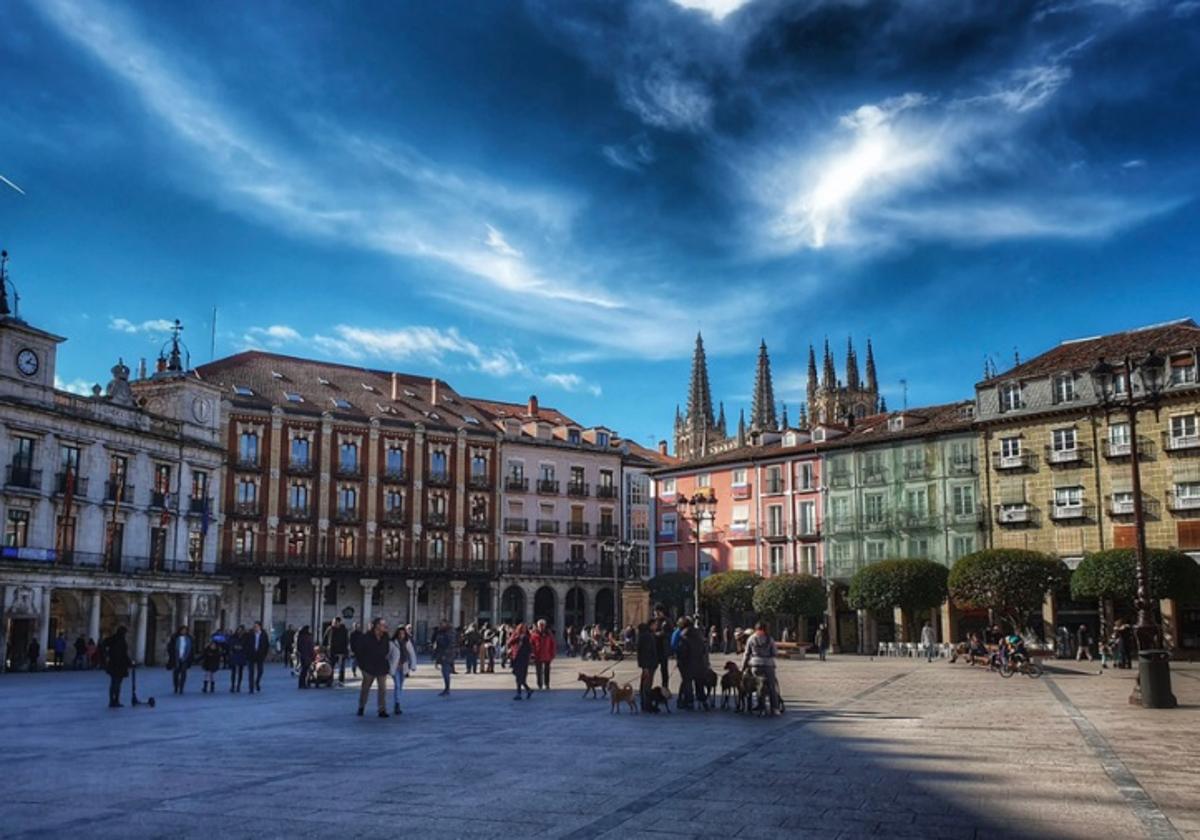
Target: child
[(210, 661)]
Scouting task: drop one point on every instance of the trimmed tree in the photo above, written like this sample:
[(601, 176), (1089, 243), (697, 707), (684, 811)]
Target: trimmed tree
[(731, 593), (672, 590), (914, 585), (790, 595), (1011, 581), (1112, 575)]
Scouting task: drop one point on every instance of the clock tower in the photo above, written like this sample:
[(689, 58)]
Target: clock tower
[(27, 354)]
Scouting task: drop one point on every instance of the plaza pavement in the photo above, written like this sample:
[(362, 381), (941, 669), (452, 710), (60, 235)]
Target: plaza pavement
[(880, 748)]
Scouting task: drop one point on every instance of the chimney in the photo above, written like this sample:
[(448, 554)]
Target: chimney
[(395, 386), (662, 447), (433, 392), (533, 406), (142, 368)]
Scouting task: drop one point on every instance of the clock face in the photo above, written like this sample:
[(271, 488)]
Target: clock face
[(27, 362)]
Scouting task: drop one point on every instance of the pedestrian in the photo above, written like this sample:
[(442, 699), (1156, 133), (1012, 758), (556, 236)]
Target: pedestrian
[(257, 645), (221, 637), (489, 650), (662, 646), (821, 641), (210, 661), (714, 639), (92, 653), (180, 651), (1063, 643), (1125, 645), (371, 653), (505, 633), (80, 654), (785, 635), (647, 661), (337, 645), (928, 640), (687, 699), (693, 652), (1083, 641), (289, 646), (444, 653), (544, 651), (519, 651), (402, 661), (304, 653), (471, 641), (34, 651), (116, 657), (355, 635), (760, 655), (60, 650), (237, 659), (727, 638)]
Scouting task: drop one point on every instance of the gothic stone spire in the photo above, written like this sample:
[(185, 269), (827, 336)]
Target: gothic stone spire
[(762, 410), (812, 375), (829, 375), (872, 382), (699, 409), (851, 365)]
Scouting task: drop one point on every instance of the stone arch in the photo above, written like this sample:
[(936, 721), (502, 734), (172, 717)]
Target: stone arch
[(576, 609), (512, 605), (545, 600), (605, 607)]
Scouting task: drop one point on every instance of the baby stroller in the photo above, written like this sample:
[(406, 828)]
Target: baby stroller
[(322, 672)]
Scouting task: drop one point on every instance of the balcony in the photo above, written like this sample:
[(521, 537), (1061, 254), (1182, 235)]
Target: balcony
[(395, 517), (917, 469), (578, 489), (1117, 449), (841, 525), (516, 484), (158, 499), (115, 491), (1072, 457), (479, 482), (547, 486), (515, 525), (559, 568), (246, 462), (874, 477), (395, 475), (479, 525), (198, 504), (740, 531), (775, 533), (1183, 503), (297, 514), (437, 479), (661, 536), (919, 520), (348, 470), (962, 466), (1180, 443), (20, 477), (299, 466), (608, 530), (1014, 514), (965, 517), (773, 488), (80, 489), (606, 491), (1018, 461), (812, 534), (244, 510), (578, 529), (741, 492), (1124, 506), (547, 526), (875, 524), (839, 479), (436, 520), (85, 561), (1074, 512), (346, 516)]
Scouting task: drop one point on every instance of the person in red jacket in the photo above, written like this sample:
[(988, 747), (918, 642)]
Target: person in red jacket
[(544, 649)]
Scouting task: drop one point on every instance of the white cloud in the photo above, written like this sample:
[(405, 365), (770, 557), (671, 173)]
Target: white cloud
[(663, 96), (80, 387), (1136, 163), (155, 325), (571, 382), (497, 242), (274, 336), (635, 154), (719, 9)]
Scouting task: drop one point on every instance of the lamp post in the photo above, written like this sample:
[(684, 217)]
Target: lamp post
[(702, 507), (621, 568), (1107, 380)]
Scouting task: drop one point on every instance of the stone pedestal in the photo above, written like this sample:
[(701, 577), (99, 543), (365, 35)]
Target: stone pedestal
[(949, 622), (368, 589), (635, 603)]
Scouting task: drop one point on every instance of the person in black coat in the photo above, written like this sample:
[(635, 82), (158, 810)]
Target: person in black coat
[(237, 659), (372, 655), (116, 657), (180, 652), (647, 660), (662, 643), (257, 644), (337, 646), (305, 652), (694, 652)]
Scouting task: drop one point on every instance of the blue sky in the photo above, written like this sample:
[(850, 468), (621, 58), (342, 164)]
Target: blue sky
[(553, 196)]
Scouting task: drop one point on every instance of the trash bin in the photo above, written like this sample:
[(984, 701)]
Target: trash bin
[(1154, 675)]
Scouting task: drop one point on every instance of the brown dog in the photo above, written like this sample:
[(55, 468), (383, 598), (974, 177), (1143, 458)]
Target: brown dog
[(750, 689), (731, 685), (618, 694), (592, 683)]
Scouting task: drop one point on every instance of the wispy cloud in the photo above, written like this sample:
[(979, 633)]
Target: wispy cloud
[(571, 382), (274, 336), (635, 154), (497, 242), (81, 387), (719, 9), (153, 326)]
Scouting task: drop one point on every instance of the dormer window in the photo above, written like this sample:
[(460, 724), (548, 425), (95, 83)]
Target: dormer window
[(1010, 396), (321, 380), (1183, 370), (573, 436), (896, 424), (276, 375), (602, 439), (292, 397), (818, 435), (344, 405), (1064, 388), (473, 421), (410, 394), (243, 390), (370, 388)]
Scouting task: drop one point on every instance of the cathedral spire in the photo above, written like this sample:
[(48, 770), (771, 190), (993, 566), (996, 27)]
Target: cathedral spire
[(741, 432), (721, 419), (699, 408), (783, 419), (829, 374), (803, 415), (851, 365), (872, 382), (762, 409), (812, 375)]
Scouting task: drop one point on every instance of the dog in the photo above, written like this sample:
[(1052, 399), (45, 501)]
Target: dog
[(592, 683), (618, 694), (658, 696), (750, 689), (731, 681), (709, 681)]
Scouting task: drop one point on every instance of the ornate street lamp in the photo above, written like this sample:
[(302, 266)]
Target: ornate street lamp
[(1114, 387), (621, 568), (700, 508)]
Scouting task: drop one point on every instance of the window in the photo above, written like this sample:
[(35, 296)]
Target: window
[(808, 559), (1183, 370), (478, 548), (162, 482), (546, 472), (741, 519), (606, 478), (299, 455), (348, 457), (577, 476), (918, 547), (297, 542), (16, 530), (516, 470), (573, 436), (775, 521), (195, 548), (69, 459), (393, 502), (875, 550), (298, 498), (1183, 428), (602, 439), (1063, 440), (479, 466), (346, 543), (199, 485), (917, 501), (873, 467), (158, 547), (1120, 383), (243, 391), (1010, 451), (393, 542), (638, 489), (962, 500), (776, 559), (576, 553), (1010, 397), (839, 508), (961, 546), (704, 480), (960, 454), (668, 487), (1064, 388), (247, 493), (807, 517), (670, 561), (1122, 501), (1187, 494), (668, 526), (1118, 438), (437, 505), (546, 557), (248, 449), (393, 462), (1068, 497), (347, 500), (807, 480), (340, 403), (439, 463), (873, 507), (243, 542), (437, 547), (741, 557), (739, 477), (774, 479), (292, 397), (279, 592), (331, 589)]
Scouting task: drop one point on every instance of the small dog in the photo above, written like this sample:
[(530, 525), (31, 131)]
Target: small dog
[(618, 694), (731, 682), (592, 683), (750, 689), (657, 697)]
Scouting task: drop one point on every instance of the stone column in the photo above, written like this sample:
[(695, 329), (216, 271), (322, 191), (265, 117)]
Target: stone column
[(414, 586), (318, 607), (901, 619), (44, 626), (589, 605), (456, 587), (139, 636), (560, 611), (94, 616), (831, 622), (529, 593), (268, 600), (866, 627), (368, 587), (1050, 615), (185, 611)]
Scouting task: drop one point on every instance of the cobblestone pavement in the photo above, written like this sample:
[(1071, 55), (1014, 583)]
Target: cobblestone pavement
[(883, 748)]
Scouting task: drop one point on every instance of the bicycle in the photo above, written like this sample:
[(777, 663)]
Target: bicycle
[(1022, 664)]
